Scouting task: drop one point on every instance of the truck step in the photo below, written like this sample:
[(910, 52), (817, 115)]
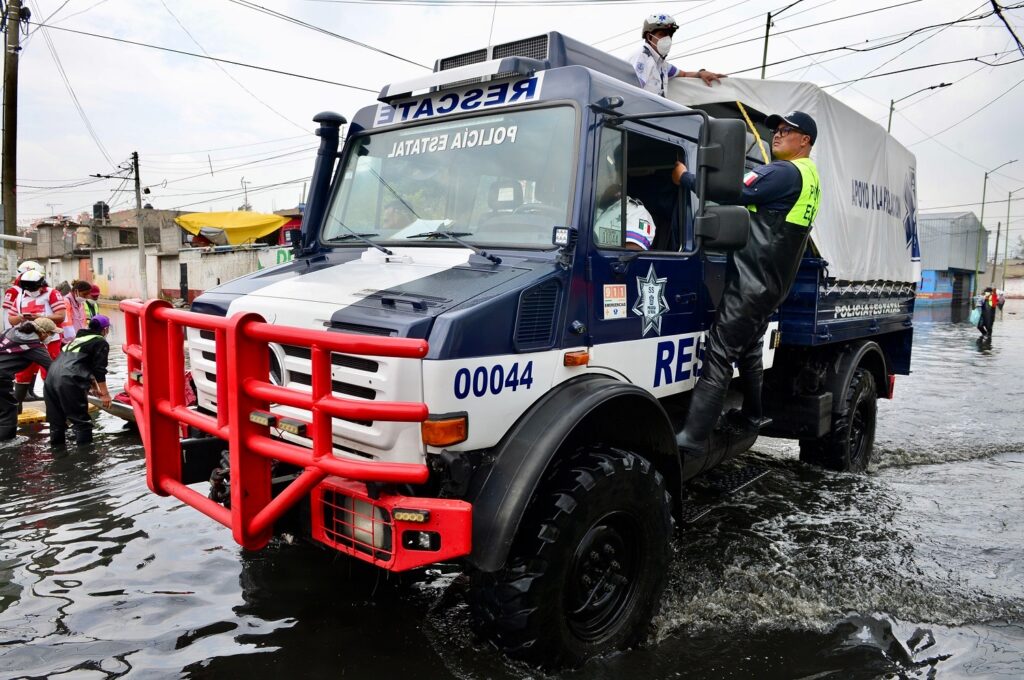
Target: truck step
[(735, 480), (690, 512), (719, 484)]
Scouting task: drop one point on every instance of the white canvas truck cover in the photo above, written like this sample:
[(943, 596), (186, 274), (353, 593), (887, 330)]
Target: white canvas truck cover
[(867, 223)]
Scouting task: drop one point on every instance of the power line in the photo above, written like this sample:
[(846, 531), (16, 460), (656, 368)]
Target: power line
[(226, 73), (918, 43), (239, 193), (242, 165), (758, 28), (595, 43), (967, 205), (82, 11), (691, 21), (489, 3), (801, 28), (853, 49), (74, 98), (203, 56), (298, 22), (971, 115), (926, 66), (999, 13), (205, 162), (224, 148)]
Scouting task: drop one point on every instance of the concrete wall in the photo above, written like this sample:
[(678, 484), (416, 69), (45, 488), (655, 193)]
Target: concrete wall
[(116, 271), (1014, 288)]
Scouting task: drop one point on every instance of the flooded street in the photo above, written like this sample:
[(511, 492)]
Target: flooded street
[(915, 569)]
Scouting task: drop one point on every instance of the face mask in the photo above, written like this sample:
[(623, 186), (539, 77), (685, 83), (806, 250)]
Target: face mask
[(663, 46)]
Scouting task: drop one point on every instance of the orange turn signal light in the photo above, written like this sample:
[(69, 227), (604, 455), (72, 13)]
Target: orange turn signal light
[(446, 430), (577, 358)]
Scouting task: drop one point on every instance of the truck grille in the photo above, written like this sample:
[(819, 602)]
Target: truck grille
[(352, 377), (534, 48)]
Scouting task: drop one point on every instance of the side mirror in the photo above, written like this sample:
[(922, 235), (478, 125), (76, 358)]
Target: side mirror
[(295, 240), (723, 227), (723, 160)]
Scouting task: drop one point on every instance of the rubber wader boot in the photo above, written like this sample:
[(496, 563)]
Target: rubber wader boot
[(83, 434), (32, 396), (751, 418), (705, 408), (20, 393)]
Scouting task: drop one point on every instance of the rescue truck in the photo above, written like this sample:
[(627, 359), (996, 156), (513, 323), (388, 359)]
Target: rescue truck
[(464, 362)]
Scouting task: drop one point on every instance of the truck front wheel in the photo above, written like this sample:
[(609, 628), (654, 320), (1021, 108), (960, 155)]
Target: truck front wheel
[(848, 447), (587, 570)]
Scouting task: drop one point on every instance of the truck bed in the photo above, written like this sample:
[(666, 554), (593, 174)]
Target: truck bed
[(821, 310)]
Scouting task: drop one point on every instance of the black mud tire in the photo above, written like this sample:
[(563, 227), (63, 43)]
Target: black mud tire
[(588, 567), (848, 447)]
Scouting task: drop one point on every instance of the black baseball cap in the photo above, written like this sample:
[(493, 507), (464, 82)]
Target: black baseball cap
[(798, 119)]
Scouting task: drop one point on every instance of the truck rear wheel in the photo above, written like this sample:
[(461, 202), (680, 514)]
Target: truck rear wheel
[(588, 567), (848, 447)]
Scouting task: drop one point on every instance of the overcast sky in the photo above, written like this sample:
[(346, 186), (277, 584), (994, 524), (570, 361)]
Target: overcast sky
[(186, 115)]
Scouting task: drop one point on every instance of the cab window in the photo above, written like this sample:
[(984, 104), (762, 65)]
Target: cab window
[(637, 207)]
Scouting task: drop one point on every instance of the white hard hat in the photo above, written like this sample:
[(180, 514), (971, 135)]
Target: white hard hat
[(32, 275), (657, 22), (29, 265)]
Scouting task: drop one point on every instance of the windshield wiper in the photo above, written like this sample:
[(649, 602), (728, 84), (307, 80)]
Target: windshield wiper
[(454, 236), (346, 237), (359, 237)]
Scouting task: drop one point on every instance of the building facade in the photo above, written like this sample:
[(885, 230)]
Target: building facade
[(949, 253)]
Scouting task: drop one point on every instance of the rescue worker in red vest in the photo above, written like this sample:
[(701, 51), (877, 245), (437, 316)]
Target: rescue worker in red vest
[(782, 198), (80, 368), (20, 346), (28, 299)]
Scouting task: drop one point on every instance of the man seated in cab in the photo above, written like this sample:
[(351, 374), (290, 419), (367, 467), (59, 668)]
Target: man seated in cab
[(640, 229)]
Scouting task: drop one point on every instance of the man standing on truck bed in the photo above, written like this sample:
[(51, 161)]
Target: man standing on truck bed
[(783, 198), (651, 64)]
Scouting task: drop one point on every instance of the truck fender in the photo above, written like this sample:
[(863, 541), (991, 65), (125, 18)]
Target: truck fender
[(866, 353), (577, 410)]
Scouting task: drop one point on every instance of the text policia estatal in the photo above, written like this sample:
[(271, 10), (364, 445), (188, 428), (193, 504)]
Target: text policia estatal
[(464, 139)]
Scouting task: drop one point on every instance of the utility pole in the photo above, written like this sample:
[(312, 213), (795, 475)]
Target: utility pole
[(995, 258), (142, 231), (764, 56), (15, 15), (767, 30), (977, 256), (894, 102), (1006, 248), (245, 191)]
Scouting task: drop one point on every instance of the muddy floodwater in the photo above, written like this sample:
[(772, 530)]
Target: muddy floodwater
[(915, 569)]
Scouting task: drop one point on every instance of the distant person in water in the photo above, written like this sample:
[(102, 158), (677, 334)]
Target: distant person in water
[(989, 303)]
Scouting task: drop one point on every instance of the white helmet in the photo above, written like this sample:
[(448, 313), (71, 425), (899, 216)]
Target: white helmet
[(29, 265), (657, 22), (33, 276)]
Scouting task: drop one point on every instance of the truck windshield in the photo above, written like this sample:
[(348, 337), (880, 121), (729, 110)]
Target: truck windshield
[(501, 180)]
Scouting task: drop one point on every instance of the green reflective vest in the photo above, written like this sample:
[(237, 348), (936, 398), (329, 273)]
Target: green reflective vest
[(76, 345), (805, 209)]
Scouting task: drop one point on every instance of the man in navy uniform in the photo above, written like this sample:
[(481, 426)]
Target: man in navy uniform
[(782, 198)]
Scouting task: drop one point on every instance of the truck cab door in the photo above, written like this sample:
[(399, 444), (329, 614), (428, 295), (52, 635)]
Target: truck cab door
[(646, 293)]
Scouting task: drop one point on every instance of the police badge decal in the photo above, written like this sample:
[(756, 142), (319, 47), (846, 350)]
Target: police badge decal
[(651, 303)]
